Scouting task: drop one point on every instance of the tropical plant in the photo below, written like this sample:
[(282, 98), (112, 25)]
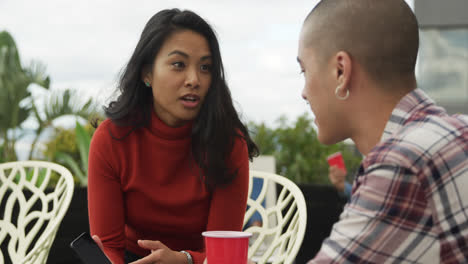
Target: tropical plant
[(57, 105), (70, 147), (298, 153), (14, 82), (1, 151)]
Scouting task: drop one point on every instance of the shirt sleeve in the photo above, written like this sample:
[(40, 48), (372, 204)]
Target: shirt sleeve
[(105, 199), (347, 190), (228, 204), (383, 222), (448, 199)]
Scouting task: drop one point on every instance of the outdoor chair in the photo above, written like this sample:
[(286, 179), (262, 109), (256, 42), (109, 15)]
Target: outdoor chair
[(279, 238), (34, 197)]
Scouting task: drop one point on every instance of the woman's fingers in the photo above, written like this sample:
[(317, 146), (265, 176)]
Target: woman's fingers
[(151, 244), (98, 242), (160, 253)]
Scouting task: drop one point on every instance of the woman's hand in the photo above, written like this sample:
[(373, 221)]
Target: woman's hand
[(99, 243), (160, 254)]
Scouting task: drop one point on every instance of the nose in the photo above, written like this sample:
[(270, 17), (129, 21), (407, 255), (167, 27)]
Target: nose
[(192, 79)]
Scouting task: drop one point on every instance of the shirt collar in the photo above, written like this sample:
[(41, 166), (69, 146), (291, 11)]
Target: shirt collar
[(412, 102)]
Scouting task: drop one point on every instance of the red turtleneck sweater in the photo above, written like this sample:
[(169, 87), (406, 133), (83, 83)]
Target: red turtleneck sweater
[(146, 187)]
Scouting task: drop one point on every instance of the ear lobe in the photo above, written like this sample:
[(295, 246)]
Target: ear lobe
[(147, 80), (146, 75)]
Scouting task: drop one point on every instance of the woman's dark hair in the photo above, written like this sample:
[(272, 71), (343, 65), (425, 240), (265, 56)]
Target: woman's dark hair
[(217, 124)]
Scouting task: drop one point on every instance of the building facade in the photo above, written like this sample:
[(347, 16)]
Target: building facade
[(442, 68)]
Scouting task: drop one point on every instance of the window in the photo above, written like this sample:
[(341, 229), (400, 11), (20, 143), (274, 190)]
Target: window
[(442, 69)]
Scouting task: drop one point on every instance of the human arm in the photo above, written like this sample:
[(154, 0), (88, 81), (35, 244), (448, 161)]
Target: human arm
[(228, 204), (347, 189), (256, 218), (337, 177), (99, 243), (105, 199), (160, 253), (382, 222), (448, 200)]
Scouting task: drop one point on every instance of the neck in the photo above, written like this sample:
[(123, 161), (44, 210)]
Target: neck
[(365, 141), (371, 116)]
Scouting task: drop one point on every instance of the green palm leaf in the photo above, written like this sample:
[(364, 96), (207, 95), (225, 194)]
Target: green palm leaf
[(14, 82), (73, 165), (83, 141)]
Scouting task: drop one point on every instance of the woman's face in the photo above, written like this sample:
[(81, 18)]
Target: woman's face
[(181, 77)]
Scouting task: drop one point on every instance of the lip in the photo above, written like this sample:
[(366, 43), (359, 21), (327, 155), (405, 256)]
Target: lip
[(190, 104)]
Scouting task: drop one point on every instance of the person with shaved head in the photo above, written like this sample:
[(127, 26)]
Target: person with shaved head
[(409, 201)]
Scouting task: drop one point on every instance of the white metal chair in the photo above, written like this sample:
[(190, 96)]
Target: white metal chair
[(32, 212), (283, 225)]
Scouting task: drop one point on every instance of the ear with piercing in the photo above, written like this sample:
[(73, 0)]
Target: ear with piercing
[(337, 91)]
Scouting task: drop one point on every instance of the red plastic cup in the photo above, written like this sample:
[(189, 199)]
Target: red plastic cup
[(227, 247), (336, 159)]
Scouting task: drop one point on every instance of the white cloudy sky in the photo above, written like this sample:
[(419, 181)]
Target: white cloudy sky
[(85, 44)]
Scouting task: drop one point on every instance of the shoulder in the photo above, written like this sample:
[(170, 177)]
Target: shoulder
[(108, 129), (432, 139), (239, 155), (103, 126), (434, 133), (101, 137), (239, 145), (105, 132)]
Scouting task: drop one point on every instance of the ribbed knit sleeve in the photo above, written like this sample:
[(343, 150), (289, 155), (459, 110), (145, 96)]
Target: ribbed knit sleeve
[(105, 198), (228, 204)]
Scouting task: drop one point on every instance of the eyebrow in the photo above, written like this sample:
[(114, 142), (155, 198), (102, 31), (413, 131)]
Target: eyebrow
[(183, 54), (298, 60)]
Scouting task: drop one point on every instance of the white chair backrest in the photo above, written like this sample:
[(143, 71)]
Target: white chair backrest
[(276, 241), (32, 212), (266, 163)]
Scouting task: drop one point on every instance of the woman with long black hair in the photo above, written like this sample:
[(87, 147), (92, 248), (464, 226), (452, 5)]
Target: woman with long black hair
[(172, 159)]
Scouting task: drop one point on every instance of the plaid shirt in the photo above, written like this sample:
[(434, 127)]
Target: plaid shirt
[(409, 202)]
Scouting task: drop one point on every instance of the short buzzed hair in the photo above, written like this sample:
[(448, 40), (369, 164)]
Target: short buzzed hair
[(382, 35)]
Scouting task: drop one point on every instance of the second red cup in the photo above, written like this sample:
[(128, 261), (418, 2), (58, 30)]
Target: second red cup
[(227, 247), (336, 159)]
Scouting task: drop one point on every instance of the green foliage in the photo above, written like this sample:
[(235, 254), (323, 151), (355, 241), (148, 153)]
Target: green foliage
[(70, 147), (14, 82), (57, 105), (1, 151), (298, 153), (29, 176), (17, 103)]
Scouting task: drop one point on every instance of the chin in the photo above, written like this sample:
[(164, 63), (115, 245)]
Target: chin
[(326, 141), (325, 138), (188, 117)]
